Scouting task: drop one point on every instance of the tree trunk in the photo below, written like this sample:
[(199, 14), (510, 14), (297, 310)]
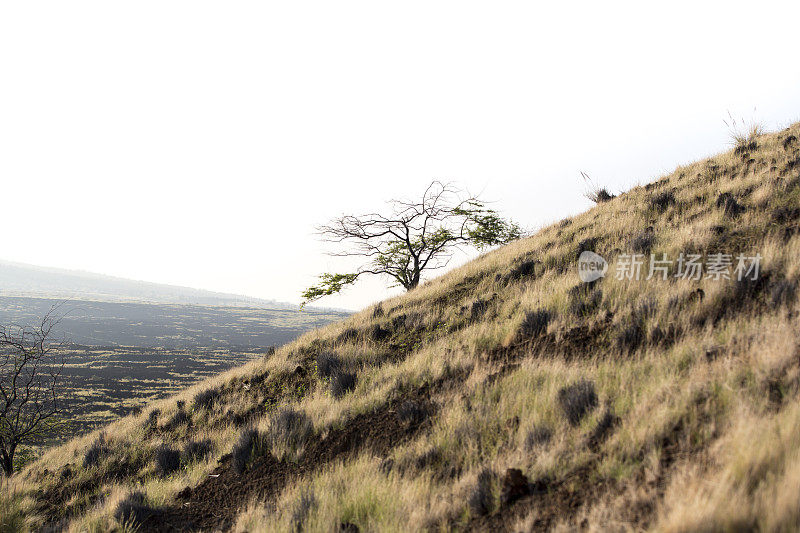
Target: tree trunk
[(414, 280), (8, 462)]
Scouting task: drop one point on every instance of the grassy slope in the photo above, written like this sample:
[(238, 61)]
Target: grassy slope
[(697, 417)]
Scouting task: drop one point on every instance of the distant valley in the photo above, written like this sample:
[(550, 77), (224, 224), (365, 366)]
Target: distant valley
[(126, 342)]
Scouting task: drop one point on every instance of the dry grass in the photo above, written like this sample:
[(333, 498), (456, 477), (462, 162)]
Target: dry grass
[(692, 424)]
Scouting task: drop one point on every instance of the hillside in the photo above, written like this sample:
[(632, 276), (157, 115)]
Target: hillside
[(504, 395), (23, 280)]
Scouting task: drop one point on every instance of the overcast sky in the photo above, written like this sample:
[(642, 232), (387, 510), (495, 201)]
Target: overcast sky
[(199, 143)]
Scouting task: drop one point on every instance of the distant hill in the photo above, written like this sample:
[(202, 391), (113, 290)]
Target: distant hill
[(18, 279)]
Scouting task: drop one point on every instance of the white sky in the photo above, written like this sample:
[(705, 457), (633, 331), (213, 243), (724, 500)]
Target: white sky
[(199, 143)]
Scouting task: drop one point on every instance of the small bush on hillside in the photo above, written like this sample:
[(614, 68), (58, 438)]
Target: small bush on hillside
[(645, 308), (196, 450), (243, 449), (152, 419), (481, 499), (743, 135), (348, 335), (377, 333), (133, 509), (577, 400), (427, 459), (526, 269), (588, 244), (96, 452), (411, 413), (596, 193), (289, 429), (630, 337), (535, 323), (328, 364), (537, 436), (642, 242), (302, 508), (661, 201), (342, 383), (477, 309), (168, 460), (583, 300), (729, 205), (377, 312), (178, 419), (331, 368), (603, 428), (181, 405), (782, 292), (205, 399)]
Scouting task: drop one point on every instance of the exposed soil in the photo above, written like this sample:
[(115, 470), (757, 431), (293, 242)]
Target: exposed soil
[(214, 504)]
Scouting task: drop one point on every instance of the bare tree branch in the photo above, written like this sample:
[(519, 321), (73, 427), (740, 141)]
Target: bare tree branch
[(414, 237), (30, 372)]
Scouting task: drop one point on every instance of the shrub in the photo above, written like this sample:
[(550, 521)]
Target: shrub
[(480, 498), (729, 205), (328, 364), (302, 509), (526, 269), (205, 399), (197, 450), (642, 242), (535, 323), (96, 452), (378, 334), (168, 460), (411, 413), (782, 292), (583, 300), (577, 400), (289, 429), (152, 419), (179, 418), (377, 312), (428, 458), (537, 436), (243, 449), (604, 426), (342, 383), (630, 337), (588, 244), (595, 193), (661, 201), (477, 309), (133, 509), (743, 135), (350, 334)]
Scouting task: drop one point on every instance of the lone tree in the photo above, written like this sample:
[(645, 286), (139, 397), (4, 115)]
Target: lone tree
[(30, 388), (414, 237)]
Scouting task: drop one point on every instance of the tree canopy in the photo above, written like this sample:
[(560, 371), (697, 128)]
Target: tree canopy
[(411, 238)]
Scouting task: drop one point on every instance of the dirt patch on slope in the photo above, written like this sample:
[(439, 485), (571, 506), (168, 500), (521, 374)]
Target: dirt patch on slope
[(214, 504)]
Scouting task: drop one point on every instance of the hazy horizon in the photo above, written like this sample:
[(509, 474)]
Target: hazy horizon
[(198, 145)]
